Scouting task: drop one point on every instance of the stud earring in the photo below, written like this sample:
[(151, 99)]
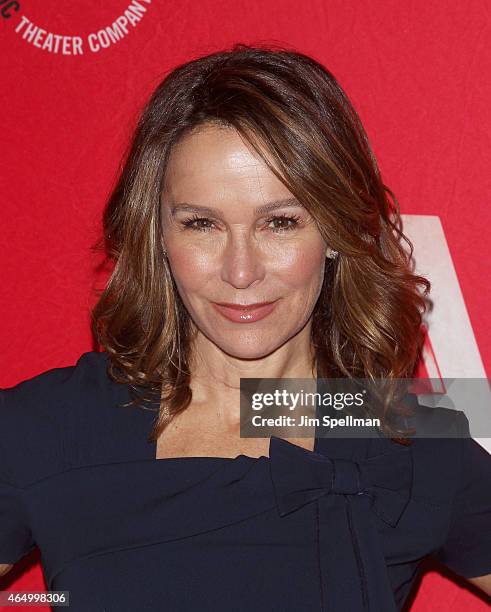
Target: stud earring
[(332, 255)]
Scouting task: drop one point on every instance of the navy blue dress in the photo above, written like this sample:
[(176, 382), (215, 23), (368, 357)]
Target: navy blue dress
[(343, 527)]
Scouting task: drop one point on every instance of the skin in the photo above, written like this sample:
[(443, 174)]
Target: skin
[(242, 257), (482, 582)]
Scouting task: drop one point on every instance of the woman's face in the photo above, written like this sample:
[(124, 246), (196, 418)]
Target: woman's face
[(235, 253)]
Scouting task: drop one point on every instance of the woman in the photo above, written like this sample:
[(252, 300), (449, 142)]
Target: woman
[(252, 237)]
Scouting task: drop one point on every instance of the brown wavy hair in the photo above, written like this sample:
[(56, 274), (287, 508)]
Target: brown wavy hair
[(367, 322)]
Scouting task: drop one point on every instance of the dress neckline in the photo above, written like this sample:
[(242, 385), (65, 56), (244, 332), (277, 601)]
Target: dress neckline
[(240, 457), (152, 446)]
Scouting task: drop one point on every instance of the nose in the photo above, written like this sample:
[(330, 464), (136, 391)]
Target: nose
[(242, 263)]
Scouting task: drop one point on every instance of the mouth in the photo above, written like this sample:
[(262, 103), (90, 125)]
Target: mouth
[(245, 313)]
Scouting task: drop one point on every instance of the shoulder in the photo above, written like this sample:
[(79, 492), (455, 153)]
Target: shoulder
[(466, 545), (40, 415), (438, 449), (436, 422), (56, 382), (44, 397), (446, 457)]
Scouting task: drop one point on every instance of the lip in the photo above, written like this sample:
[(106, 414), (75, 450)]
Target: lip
[(249, 313)]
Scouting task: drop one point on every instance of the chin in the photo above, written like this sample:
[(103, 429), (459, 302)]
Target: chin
[(256, 349)]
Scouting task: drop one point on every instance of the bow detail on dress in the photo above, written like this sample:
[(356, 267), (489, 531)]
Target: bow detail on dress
[(301, 476), (349, 493)]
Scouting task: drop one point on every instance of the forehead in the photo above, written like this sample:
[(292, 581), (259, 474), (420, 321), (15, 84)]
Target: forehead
[(214, 163)]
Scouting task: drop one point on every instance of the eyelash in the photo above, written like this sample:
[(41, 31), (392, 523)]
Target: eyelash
[(188, 223)]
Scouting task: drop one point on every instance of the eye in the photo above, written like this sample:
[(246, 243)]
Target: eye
[(294, 219), (197, 223), (190, 224)]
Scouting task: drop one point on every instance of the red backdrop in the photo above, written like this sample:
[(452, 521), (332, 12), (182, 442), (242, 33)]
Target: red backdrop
[(419, 74)]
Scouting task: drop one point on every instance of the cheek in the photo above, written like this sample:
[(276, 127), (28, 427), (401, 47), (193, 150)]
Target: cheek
[(195, 276), (192, 269), (304, 268)]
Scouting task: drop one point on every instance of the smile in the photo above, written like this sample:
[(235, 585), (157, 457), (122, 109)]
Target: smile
[(245, 314)]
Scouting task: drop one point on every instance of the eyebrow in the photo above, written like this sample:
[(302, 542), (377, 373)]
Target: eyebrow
[(260, 210)]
